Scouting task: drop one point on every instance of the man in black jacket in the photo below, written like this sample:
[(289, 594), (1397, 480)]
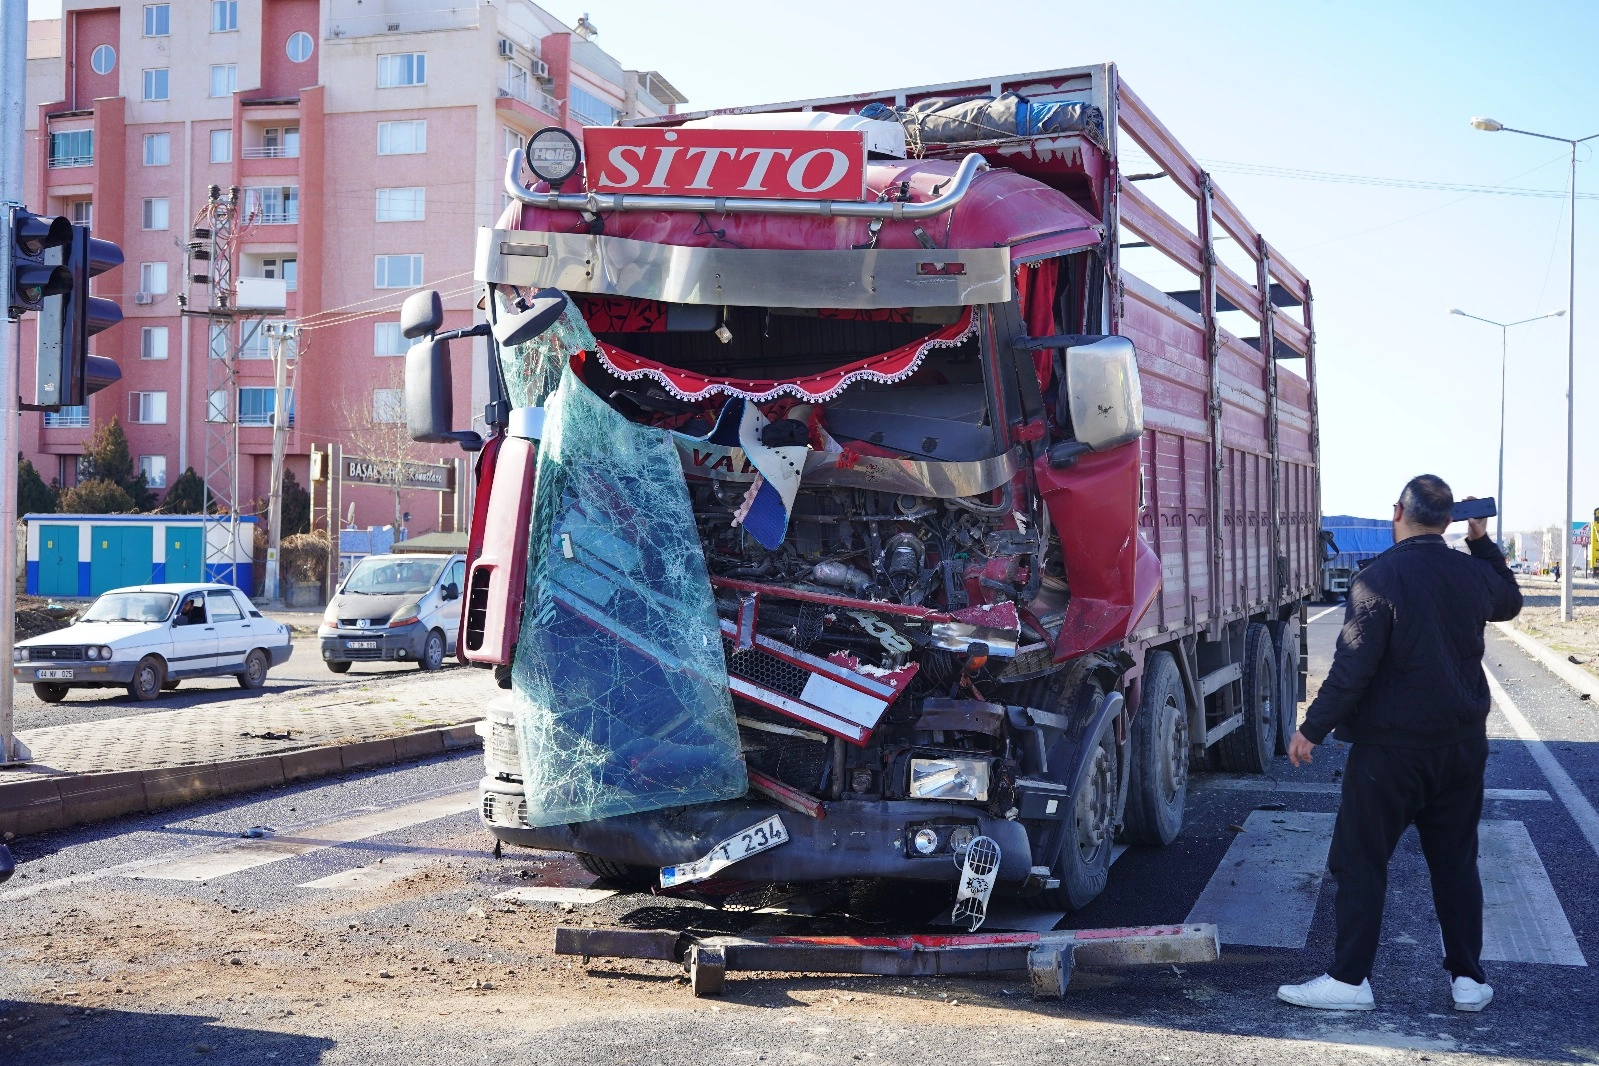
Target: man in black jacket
[(1407, 689)]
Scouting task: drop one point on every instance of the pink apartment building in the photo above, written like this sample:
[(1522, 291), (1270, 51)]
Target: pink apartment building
[(368, 139)]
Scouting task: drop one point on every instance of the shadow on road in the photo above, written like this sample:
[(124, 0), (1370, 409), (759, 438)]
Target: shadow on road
[(46, 1034)]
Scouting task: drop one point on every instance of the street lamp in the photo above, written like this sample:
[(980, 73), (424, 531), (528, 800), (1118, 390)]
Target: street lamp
[(1504, 330), (1493, 126)]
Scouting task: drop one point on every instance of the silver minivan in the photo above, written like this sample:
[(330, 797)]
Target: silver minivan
[(404, 608)]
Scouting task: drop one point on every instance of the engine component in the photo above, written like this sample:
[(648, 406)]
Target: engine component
[(902, 561), (840, 576)]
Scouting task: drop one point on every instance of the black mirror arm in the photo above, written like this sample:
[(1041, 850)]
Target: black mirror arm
[(482, 329)]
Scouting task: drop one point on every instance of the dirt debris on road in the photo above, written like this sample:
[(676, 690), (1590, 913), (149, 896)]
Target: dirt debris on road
[(1576, 640)]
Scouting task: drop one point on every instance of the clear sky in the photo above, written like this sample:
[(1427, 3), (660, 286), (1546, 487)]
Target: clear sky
[(1372, 89)]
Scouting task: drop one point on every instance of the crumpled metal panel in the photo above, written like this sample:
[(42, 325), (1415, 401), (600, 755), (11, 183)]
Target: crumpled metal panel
[(619, 682)]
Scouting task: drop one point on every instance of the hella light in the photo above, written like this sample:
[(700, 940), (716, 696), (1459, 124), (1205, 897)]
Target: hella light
[(925, 841), (405, 615), (952, 779)]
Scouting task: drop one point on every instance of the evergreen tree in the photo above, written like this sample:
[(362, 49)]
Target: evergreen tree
[(187, 494), (106, 458), (99, 496), (296, 506), (33, 495)]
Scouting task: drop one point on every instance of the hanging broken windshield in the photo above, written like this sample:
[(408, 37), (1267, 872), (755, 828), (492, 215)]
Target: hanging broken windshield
[(621, 687)]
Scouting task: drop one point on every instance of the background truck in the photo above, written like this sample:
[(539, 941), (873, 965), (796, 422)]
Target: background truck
[(1348, 544), (1053, 526)]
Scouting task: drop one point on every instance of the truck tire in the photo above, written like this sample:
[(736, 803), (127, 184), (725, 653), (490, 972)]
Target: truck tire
[(1285, 636), (1157, 785), (619, 873), (1084, 841), (1249, 748)]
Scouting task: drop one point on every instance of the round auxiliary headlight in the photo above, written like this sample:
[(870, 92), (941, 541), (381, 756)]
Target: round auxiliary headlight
[(91, 653), (553, 155), (105, 652), (925, 841)]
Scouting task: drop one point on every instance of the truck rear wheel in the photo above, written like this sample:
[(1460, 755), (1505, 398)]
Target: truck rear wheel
[(1157, 786), (1285, 636), (619, 873), (1249, 748)]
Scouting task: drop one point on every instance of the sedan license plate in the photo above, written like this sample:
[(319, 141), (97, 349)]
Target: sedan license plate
[(55, 675), (757, 838), (353, 644)]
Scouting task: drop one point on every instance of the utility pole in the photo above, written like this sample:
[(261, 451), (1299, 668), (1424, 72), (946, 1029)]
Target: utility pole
[(280, 334), (13, 97)]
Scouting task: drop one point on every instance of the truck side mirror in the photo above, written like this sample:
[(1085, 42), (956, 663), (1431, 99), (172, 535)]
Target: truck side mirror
[(430, 397), (421, 314), (1100, 390), (528, 318)]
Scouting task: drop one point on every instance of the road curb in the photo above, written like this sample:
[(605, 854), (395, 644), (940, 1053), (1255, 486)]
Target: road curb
[(38, 805), (1575, 676)]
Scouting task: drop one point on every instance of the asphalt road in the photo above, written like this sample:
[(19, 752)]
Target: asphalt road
[(108, 954), (303, 672)]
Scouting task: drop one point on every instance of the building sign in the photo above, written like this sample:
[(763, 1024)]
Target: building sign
[(792, 164), (440, 477), (1579, 534)]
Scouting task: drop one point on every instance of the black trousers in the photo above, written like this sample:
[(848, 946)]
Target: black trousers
[(1386, 790)]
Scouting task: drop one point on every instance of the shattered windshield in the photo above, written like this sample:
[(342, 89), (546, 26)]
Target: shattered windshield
[(620, 683), (130, 607)]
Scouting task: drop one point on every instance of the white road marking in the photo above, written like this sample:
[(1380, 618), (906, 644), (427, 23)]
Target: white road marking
[(1324, 614), (1522, 920), (557, 894), (1252, 783), (1577, 804), (1265, 891), (381, 874), (248, 854)]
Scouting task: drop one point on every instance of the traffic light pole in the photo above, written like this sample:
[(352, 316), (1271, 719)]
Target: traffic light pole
[(13, 96)]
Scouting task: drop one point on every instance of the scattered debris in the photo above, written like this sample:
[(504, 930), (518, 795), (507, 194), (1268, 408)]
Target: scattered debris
[(557, 895), (255, 832)]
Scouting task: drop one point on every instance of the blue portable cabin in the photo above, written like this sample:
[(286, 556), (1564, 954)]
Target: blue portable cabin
[(82, 555)]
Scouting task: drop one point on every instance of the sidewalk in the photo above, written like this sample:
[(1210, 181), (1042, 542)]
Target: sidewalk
[(87, 772)]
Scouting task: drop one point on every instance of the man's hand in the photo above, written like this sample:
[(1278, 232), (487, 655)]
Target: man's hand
[(1300, 749), (1476, 528)]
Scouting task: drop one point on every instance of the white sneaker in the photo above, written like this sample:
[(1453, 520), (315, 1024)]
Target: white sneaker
[(1471, 995), (1328, 993)]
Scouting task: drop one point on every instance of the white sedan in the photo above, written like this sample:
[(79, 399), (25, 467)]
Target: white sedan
[(152, 637)]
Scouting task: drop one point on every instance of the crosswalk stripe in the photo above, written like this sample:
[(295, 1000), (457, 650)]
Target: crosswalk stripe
[(1324, 614), (1522, 920), (381, 874), (1265, 891), (1255, 783), (1577, 804), (248, 854)]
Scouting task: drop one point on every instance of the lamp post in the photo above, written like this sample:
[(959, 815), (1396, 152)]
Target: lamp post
[(1492, 126), (1504, 332)]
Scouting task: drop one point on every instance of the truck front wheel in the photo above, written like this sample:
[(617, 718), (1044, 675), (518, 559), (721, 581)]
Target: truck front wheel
[(1157, 787), (618, 873)]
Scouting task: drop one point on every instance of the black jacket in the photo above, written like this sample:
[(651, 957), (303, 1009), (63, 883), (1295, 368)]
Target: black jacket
[(1408, 669)]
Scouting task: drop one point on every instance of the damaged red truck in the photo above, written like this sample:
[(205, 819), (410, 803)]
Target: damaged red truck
[(1045, 534)]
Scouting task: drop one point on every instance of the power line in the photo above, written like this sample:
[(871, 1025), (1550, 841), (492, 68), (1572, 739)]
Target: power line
[(1268, 171)]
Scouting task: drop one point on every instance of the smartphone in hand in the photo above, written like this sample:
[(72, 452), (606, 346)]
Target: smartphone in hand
[(1467, 509)]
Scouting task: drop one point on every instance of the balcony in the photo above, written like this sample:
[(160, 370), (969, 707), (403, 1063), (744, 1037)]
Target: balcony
[(67, 418), (519, 89), (281, 151), (61, 162)]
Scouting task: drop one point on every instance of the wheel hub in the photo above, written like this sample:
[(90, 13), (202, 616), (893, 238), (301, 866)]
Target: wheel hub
[(1094, 802)]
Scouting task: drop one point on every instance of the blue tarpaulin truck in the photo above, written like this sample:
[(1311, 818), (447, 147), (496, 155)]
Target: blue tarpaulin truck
[(1347, 545)]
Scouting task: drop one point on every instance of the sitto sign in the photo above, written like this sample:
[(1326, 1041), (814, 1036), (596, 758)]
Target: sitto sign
[(438, 477), (790, 164)]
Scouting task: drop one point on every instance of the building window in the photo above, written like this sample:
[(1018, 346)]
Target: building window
[(157, 20), (299, 47), (157, 149), (224, 15), (591, 110), (387, 339), (401, 205), (147, 408), (155, 83), (277, 143), (155, 213), (82, 212), (388, 405), (398, 271), (154, 469), (224, 78), (288, 269), (72, 148), (516, 80), (153, 342), (274, 204), (153, 278), (254, 343), (216, 405), (103, 60), (402, 68), (514, 142), (68, 418), (256, 406), (403, 138), (221, 146)]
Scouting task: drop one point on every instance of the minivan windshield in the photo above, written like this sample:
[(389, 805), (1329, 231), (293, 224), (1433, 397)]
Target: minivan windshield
[(130, 607), (390, 575)]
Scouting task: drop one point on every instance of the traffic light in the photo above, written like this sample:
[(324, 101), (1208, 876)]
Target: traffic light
[(67, 372), (37, 245)]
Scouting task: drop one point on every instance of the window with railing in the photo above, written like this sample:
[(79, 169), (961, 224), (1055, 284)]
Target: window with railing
[(591, 110), (67, 418), (276, 143), (72, 148), (254, 343), (272, 204), (256, 406)]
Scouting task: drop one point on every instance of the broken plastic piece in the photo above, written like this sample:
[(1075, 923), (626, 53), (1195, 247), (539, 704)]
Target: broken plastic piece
[(977, 882)]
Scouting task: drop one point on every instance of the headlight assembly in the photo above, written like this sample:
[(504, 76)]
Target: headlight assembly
[(19, 655), (949, 779), (405, 615)]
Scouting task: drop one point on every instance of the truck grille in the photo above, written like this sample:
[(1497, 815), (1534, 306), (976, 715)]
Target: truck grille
[(505, 810), (766, 670), (796, 761)]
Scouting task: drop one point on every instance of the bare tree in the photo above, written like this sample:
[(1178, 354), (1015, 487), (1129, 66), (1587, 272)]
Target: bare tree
[(375, 429)]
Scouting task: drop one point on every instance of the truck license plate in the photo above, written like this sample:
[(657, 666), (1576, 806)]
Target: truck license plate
[(755, 839), (55, 675), (354, 644)]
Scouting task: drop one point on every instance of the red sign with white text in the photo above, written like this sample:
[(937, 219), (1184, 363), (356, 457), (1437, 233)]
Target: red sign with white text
[(791, 164)]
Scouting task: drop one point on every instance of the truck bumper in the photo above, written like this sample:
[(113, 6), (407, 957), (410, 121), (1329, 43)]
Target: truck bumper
[(866, 839)]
